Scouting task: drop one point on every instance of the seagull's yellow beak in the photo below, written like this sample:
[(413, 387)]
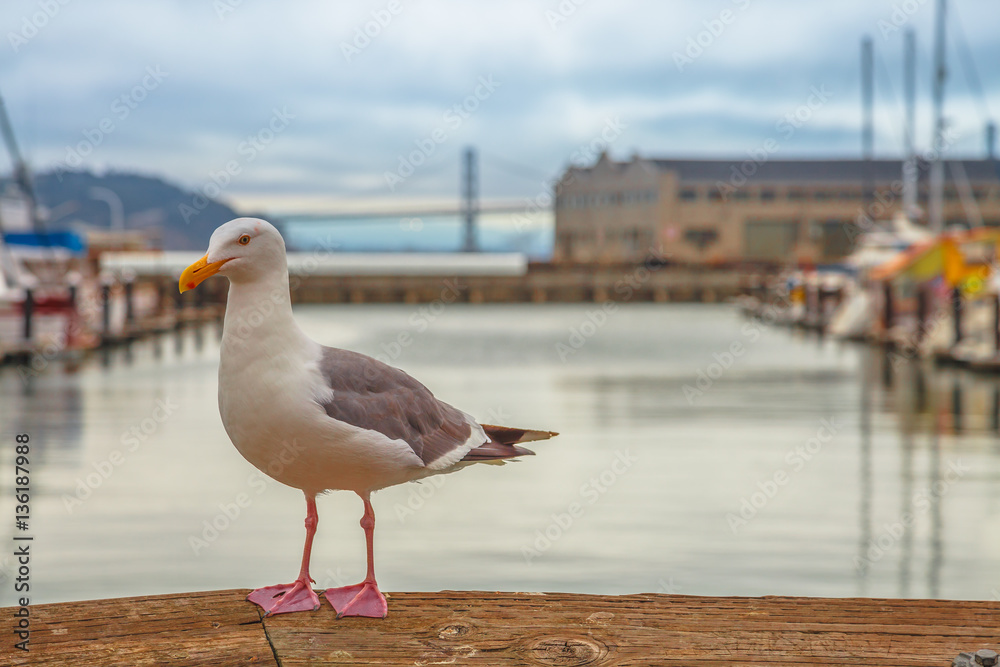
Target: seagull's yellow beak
[(198, 272)]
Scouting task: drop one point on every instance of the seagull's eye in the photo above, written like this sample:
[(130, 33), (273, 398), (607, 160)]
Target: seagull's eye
[(245, 239)]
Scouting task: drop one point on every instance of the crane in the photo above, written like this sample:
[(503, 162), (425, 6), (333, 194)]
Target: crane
[(22, 174)]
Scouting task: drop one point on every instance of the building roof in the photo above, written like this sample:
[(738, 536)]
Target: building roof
[(814, 170)]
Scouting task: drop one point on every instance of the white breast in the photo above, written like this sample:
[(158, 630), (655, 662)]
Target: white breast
[(269, 385)]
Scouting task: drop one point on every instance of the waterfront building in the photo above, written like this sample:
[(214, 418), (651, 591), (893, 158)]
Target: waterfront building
[(756, 209)]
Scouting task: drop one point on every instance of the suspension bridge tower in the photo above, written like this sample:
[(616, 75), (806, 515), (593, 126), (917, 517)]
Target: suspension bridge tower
[(470, 198)]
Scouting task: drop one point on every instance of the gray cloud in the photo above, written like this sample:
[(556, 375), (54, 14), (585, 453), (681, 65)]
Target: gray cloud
[(355, 115)]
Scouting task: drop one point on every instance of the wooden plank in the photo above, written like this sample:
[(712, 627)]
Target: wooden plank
[(221, 628), (561, 629), (216, 628)]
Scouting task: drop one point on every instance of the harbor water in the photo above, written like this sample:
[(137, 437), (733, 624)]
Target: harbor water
[(699, 453)]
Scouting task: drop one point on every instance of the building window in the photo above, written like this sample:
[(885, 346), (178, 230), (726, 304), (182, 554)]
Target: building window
[(631, 239), (741, 195), (689, 194), (767, 195), (715, 195), (836, 238), (770, 239), (701, 238), (795, 194)]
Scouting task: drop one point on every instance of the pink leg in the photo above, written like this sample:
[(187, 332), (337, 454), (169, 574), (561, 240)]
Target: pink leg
[(299, 595), (362, 599)]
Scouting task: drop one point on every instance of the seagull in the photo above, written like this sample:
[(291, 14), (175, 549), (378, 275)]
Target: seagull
[(318, 418)]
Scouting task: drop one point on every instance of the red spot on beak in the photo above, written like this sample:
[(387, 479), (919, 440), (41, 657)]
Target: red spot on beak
[(191, 285)]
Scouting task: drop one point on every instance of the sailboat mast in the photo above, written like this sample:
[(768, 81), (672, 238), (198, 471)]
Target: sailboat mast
[(867, 119), (937, 166), (910, 93)]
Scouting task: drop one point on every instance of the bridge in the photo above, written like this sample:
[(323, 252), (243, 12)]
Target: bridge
[(458, 209), (468, 208)]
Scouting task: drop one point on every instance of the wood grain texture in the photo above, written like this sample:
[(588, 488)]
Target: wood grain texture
[(216, 628), (477, 628)]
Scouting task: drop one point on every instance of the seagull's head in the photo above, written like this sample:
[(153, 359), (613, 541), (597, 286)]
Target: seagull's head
[(244, 250)]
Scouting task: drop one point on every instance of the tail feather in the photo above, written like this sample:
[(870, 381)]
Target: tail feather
[(511, 436), (503, 443)]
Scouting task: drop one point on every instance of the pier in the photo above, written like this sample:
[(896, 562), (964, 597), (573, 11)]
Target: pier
[(534, 282), (485, 628)]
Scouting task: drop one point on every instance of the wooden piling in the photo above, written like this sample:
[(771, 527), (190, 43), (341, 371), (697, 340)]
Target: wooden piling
[(29, 314), (996, 325), (482, 628), (888, 309), (956, 314), (106, 310), (923, 310), (129, 304)]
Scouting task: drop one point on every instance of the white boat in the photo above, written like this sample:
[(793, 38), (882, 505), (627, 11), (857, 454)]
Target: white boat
[(855, 317)]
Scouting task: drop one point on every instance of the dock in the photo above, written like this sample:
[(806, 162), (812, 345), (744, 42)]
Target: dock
[(414, 278), (485, 628)]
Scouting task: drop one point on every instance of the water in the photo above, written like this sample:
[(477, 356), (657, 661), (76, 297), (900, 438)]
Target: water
[(827, 448), (531, 232)]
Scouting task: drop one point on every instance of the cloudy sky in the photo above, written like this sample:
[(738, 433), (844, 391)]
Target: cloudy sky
[(312, 102)]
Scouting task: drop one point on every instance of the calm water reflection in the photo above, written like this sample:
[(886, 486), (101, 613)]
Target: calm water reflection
[(792, 466)]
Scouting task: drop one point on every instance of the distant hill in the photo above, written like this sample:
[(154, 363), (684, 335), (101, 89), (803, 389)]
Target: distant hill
[(147, 202)]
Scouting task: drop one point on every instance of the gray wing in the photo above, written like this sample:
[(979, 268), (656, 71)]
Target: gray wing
[(375, 396)]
